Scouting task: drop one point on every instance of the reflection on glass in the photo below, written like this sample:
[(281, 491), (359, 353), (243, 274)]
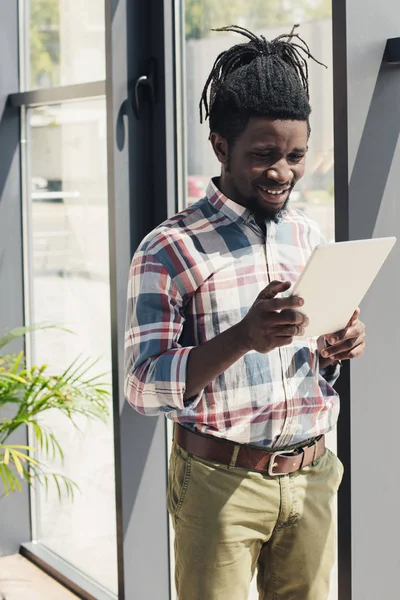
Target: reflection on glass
[(66, 42), (314, 193), (70, 282)]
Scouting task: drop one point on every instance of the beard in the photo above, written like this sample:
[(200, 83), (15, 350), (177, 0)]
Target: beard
[(263, 213)]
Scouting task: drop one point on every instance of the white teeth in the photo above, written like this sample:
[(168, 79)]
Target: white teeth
[(274, 192)]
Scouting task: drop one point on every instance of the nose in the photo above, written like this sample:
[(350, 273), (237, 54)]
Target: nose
[(280, 172)]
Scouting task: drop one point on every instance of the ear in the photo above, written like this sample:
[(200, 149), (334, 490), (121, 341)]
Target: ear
[(220, 147)]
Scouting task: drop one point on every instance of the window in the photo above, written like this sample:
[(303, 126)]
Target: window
[(67, 278), (314, 193), (66, 42), (70, 286), (196, 50), (88, 197)]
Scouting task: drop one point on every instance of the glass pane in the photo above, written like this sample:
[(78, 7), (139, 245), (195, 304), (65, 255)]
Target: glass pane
[(70, 286), (198, 48), (66, 42), (314, 193)]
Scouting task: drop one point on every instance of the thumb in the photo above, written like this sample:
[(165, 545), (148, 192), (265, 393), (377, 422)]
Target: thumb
[(274, 288), (354, 317)]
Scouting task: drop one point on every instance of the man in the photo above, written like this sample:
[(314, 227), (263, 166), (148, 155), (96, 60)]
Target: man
[(213, 341)]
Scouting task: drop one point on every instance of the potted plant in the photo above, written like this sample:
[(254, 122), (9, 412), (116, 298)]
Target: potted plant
[(27, 392)]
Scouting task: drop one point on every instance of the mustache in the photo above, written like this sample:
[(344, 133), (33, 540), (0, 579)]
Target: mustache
[(276, 186)]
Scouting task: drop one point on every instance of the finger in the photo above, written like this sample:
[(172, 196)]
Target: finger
[(355, 330), (349, 354), (280, 304), (289, 331), (274, 288), (289, 317), (354, 317), (352, 331), (283, 341), (333, 338), (341, 347)]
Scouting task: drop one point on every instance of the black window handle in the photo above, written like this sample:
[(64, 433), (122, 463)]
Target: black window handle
[(148, 81)]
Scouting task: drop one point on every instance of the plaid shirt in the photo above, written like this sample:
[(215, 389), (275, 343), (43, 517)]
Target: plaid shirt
[(192, 278)]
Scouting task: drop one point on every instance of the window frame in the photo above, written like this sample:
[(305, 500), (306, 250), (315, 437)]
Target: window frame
[(133, 34)]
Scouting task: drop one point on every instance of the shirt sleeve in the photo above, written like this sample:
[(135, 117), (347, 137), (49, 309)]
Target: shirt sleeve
[(155, 362), (331, 373)]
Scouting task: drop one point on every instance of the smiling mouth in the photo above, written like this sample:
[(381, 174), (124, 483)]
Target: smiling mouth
[(274, 195)]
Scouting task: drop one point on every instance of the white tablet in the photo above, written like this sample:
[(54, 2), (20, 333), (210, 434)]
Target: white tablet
[(335, 280)]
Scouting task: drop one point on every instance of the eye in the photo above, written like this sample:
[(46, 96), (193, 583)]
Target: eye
[(295, 157), (262, 155)]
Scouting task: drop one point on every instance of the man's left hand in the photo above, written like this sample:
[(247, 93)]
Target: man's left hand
[(345, 344)]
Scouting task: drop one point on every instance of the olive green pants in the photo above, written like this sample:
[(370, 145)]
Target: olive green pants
[(228, 521)]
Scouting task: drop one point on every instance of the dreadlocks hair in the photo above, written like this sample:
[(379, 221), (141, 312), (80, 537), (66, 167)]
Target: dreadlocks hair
[(257, 78)]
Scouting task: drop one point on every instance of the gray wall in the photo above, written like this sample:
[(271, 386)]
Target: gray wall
[(373, 122), (14, 510)]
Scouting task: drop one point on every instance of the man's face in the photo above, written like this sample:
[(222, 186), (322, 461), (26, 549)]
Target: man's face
[(260, 169)]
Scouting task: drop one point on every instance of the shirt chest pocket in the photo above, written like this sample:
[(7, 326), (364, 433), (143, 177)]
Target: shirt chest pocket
[(228, 294)]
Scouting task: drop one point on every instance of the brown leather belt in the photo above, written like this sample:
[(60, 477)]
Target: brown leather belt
[(281, 462)]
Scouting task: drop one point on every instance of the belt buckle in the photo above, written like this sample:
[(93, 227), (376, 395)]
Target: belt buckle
[(272, 463)]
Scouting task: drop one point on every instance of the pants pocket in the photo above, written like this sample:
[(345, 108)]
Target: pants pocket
[(339, 467), (180, 464)]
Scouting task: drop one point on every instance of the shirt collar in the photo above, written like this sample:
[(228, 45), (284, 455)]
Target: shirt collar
[(229, 208)]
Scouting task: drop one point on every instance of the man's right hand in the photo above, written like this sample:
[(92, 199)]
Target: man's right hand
[(272, 322)]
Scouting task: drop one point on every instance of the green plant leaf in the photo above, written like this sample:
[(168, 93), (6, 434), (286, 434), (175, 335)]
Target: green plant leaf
[(14, 377), (17, 362), (56, 447), (70, 369), (13, 482), (38, 432), (21, 456), (17, 462), (19, 332), (27, 473), (33, 391), (55, 479), (4, 479), (19, 446)]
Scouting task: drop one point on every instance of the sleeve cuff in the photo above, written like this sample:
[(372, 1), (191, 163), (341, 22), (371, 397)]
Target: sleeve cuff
[(180, 378), (159, 384), (331, 373)]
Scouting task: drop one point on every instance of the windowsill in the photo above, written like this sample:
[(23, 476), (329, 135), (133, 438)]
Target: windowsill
[(61, 572), (20, 579)]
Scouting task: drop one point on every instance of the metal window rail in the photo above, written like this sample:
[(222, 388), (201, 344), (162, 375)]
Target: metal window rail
[(58, 95)]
